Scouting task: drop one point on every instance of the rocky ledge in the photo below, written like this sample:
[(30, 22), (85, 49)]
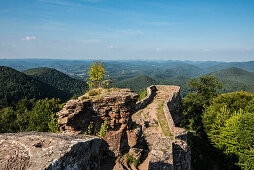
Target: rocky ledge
[(38, 150)]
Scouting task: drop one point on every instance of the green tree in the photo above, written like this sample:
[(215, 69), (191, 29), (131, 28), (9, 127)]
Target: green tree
[(205, 88), (97, 75), (23, 111), (225, 105), (229, 124), (7, 120), (43, 118)]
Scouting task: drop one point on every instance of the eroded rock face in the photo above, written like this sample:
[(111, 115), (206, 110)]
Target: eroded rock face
[(115, 107), (162, 154), (38, 150), (123, 135)]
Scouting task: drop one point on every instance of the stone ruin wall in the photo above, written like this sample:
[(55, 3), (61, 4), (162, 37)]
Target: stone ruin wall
[(150, 93), (170, 153)]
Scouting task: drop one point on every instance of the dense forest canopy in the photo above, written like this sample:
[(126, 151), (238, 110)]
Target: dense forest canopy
[(30, 115), (15, 86), (58, 80), (229, 124), (226, 119)]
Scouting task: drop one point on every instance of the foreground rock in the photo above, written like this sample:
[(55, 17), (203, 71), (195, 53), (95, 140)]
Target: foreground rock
[(37, 150)]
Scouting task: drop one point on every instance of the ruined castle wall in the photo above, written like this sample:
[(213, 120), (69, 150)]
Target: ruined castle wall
[(181, 155), (180, 158), (151, 90), (162, 154), (168, 116)]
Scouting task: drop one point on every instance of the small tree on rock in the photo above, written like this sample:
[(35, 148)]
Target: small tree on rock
[(97, 75)]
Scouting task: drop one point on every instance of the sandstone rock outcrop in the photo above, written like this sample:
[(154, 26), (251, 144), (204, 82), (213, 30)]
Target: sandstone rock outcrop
[(116, 107), (38, 150), (124, 136)]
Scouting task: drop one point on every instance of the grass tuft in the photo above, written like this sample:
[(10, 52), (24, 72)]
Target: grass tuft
[(131, 159), (162, 120)]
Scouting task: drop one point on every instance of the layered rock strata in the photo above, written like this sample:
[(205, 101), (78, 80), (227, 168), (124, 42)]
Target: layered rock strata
[(115, 107)]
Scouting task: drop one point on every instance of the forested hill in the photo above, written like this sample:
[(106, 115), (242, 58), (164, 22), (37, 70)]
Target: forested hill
[(15, 86), (136, 83), (235, 79), (58, 80), (235, 74)]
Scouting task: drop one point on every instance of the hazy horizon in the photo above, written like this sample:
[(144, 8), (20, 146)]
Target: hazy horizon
[(197, 30), (123, 60)]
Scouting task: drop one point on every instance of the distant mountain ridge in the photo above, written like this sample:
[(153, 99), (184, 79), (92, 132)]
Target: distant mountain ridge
[(119, 69), (58, 80), (15, 86), (37, 83), (235, 74), (235, 79), (137, 83)]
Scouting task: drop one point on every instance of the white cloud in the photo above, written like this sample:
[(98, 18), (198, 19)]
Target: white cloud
[(28, 38), (111, 46), (157, 49)]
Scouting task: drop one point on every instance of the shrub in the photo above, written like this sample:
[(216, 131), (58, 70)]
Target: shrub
[(131, 159), (103, 129), (142, 94)]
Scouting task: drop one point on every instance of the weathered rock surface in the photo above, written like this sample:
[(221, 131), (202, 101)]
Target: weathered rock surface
[(162, 154), (181, 155), (38, 150), (115, 107)]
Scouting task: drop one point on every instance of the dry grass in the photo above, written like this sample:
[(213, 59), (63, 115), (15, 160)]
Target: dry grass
[(96, 93), (162, 120), (137, 114)]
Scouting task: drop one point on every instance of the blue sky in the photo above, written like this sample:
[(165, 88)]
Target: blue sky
[(221, 30)]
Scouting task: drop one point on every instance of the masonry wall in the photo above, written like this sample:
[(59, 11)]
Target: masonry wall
[(151, 90), (180, 154)]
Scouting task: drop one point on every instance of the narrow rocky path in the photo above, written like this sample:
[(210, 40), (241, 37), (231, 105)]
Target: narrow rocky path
[(148, 118)]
